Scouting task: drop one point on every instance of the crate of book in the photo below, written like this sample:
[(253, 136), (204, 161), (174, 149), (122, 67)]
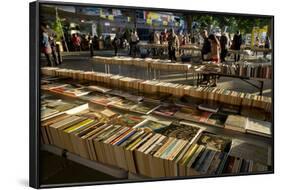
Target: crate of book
[(165, 150)]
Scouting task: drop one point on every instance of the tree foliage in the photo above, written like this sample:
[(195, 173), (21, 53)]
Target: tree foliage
[(233, 23)]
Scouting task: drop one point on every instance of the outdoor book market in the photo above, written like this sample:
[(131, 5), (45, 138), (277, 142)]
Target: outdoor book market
[(142, 94)]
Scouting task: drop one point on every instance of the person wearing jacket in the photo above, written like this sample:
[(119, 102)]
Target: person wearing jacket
[(236, 45)]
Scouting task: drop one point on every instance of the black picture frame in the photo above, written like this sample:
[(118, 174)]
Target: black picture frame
[(34, 90)]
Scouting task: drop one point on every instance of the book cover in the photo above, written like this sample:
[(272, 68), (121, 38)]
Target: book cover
[(150, 125), (179, 131), (167, 110), (236, 122), (215, 142)]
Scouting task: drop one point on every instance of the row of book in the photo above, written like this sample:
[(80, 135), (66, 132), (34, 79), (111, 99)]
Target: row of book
[(149, 63), (246, 69), (153, 86), (251, 121), (150, 147)]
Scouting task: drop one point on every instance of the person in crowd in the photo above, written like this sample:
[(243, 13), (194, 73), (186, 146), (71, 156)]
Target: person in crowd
[(173, 45), (116, 43), (224, 46), (134, 42), (84, 43), (257, 42), (206, 48), (215, 48), (76, 41), (164, 36), (95, 42), (180, 37), (107, 42), (151, 37), (46, 46), (185, 39), (156, 40), (193, 38), (52, 40), (163, 40), (91, 44), (214, 57), (236, 44), (267, 45)]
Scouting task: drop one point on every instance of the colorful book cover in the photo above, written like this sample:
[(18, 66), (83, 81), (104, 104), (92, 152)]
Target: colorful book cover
[(180, 131)]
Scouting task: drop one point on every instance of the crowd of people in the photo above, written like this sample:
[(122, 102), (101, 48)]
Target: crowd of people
[(214, 47)]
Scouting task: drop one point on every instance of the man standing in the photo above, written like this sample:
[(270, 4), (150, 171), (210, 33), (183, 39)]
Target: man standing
[(236, 44), (206, 48), (116, 44), (224, 46), (173, 45), (134, 42)]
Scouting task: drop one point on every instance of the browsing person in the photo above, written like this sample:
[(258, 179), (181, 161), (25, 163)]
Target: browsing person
[(224, 46), (236, 45), (164, 36), (173, 45), (134, 42), (215, 48), (116, 44), (206, 48), (156, 40)]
